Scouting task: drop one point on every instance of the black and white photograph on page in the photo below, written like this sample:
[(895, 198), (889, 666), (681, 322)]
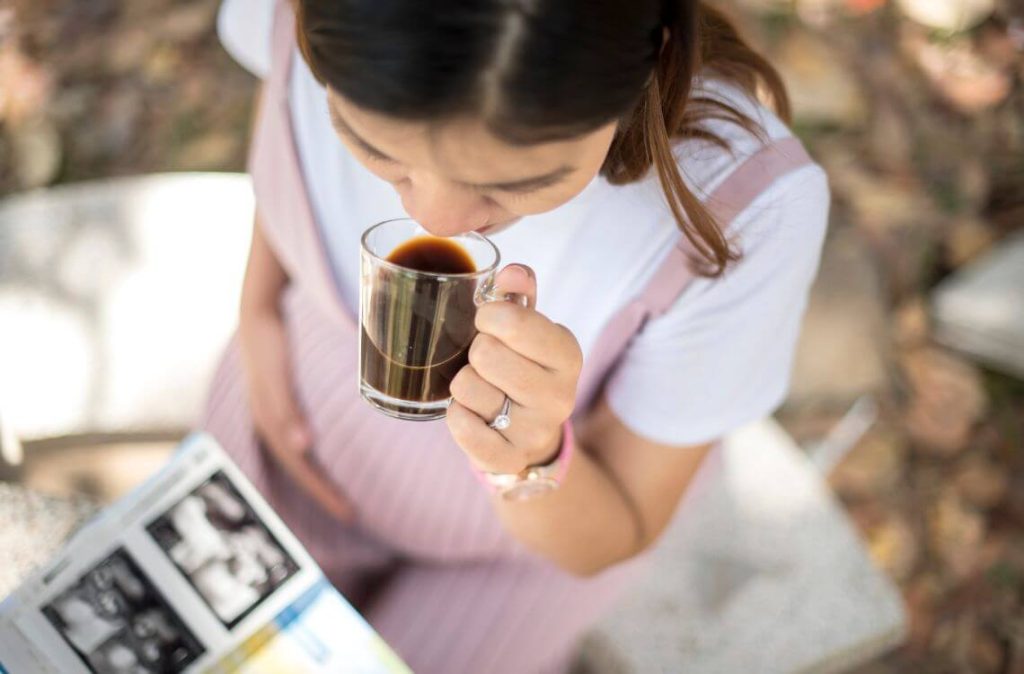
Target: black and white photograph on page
[(117, 622), (224, 550)]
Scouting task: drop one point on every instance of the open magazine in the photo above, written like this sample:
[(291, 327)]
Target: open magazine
[(191, 572)]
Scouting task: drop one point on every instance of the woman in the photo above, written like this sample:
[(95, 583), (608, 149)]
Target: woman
[(665, 227)]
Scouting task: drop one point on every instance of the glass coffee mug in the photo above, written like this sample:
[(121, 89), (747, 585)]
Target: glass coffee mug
[(418, 298)]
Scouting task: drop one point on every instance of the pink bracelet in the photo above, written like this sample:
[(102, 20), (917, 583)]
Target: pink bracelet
[(563, 457)]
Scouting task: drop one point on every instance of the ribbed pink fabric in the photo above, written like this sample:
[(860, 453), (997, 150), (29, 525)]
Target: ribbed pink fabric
[(462, 594)]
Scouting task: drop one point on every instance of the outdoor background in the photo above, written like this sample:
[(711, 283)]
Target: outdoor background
[(916, 110)]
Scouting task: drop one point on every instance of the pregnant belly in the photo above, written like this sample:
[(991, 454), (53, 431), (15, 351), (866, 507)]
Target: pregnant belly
[(409, 482)]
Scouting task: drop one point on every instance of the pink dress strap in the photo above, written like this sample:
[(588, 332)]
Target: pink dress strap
[(281, 194), (728, 200)]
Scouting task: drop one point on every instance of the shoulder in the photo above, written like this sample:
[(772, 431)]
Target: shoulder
[(244, 28)]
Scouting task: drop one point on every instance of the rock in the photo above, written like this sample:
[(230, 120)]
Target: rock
[(25, 86), (874, 467), (967, 239), (822, 88), (911, 324), (946, 399), (34, 527), (116, 121), (824, 13), (981, 482), (973, 182), (130, 49), (985, 652), (978, 310), (211, 151), (893, 546), (883, 207), (959, 74), (188, 21), (37, 151), (889, 139), (843, 348), (921, 596), (955, 534), (948, 15)]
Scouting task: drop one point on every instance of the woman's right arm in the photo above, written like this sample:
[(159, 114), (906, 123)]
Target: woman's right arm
[(266, 359)]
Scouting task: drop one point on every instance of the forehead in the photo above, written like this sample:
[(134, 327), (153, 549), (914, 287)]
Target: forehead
[(462, 147)]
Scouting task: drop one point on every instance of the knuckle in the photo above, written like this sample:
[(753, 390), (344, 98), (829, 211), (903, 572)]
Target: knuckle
[(458, 423), (461, 383), (517, 322), (573, 352), (535, 438), (563, 408), (485, 315), (482, 351)]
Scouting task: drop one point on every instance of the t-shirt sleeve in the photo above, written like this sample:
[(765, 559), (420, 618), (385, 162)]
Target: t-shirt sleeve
[(244, 28), (722, 356)]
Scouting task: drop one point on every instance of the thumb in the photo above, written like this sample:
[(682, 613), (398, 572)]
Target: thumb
[(518, 279)]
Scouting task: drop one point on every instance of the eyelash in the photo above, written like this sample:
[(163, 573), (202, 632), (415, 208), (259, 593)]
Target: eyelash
[(513, 193), (378, 157)]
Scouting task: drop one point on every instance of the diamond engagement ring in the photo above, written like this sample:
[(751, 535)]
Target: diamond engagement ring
[(501, 422)]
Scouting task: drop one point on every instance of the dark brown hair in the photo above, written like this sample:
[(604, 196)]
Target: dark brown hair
[(537, 70)]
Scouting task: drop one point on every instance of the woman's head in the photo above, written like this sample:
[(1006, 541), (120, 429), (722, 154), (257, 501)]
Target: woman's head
[(479, 111)]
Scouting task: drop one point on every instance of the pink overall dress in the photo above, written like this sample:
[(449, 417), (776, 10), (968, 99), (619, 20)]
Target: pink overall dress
[(455, 593)]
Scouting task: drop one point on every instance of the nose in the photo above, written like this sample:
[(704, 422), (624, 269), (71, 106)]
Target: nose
[(442, 207)]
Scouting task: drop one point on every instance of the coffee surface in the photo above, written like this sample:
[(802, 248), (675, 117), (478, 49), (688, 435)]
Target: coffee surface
[(434, 255)]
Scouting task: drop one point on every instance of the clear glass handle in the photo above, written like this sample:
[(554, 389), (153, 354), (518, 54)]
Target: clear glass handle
[(488, 292)]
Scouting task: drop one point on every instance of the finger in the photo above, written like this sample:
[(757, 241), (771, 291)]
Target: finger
[(490, 451), (518, 279), (290, 428), (476, 393), (529, 333), (517, 376), (302, 469)]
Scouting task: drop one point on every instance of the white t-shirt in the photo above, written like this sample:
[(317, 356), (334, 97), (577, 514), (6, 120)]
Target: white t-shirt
[(719, 358)]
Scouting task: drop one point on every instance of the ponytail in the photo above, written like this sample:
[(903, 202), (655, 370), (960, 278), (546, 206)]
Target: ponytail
[(699, 39)]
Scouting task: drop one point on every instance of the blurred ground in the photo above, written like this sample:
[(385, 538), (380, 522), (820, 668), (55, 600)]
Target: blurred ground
[(915, 107)]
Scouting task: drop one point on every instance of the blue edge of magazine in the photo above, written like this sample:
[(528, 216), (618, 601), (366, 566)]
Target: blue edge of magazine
[(191, 572)]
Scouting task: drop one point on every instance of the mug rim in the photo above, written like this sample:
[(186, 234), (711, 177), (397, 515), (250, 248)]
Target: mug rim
[(432, 274)]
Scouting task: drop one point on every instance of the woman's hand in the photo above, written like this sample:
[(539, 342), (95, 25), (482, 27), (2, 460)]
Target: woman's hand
[(275, 411), (535, 362)]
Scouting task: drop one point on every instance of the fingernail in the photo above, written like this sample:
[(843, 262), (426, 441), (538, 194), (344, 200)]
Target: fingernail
[(522, 268)]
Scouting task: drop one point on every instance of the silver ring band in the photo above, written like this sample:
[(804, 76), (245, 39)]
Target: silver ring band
[(502, 421)]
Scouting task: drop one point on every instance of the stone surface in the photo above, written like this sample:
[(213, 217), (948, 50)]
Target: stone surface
[(978, 310), (116, 298), (809, 66), (946, 399), (875, 466), (842, 352), (949, 15), (34, 526), (759, 571)]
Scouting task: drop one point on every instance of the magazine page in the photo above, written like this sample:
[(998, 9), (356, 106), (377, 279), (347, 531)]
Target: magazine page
[(191, 572)]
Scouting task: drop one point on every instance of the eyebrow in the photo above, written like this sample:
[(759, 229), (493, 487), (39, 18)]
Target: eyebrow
[(523, 184)]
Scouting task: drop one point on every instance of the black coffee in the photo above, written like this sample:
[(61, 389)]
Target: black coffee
[(417, 330)]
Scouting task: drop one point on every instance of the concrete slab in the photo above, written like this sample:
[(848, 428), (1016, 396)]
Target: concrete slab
[(760, 571), (115, 298), (979, 311)]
